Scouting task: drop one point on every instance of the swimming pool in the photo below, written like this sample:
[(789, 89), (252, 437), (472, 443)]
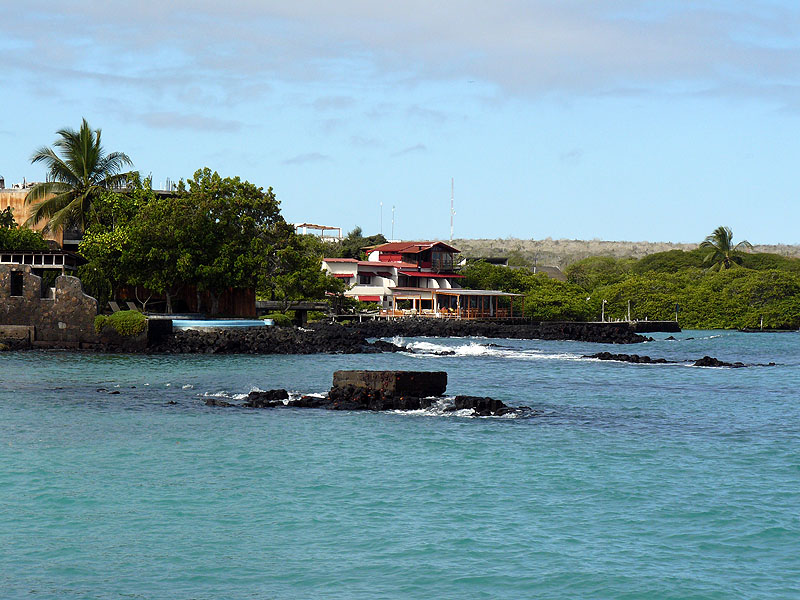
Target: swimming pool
[(219, 323)]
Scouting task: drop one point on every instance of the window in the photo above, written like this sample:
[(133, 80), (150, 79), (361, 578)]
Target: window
[(365, 279), (16, 283)]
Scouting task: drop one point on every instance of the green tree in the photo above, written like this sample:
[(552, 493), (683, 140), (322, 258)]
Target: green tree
[(546, 299), (671, 261), (353, 243), (299, 275), (106, 244), (19, 239), (78, 170), (594, 271), (163, 246), (721, 251), (238, 229)]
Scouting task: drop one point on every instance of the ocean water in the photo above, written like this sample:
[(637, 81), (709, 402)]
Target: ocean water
[(633, 481)]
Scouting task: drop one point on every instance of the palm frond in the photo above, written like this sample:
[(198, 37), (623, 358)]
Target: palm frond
[(40, 191), (78, 169), (48, 208), (114, 162)]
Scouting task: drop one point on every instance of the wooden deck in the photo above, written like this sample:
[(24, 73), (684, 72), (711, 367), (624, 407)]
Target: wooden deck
[(465, 314)]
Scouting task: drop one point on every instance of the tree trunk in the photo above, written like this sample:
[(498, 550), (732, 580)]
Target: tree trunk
[(169, 303), (214, 302)]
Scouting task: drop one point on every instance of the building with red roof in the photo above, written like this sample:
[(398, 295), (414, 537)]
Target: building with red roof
[(417, 278)]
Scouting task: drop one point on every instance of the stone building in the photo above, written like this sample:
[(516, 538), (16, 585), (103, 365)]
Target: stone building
[(61, 316)]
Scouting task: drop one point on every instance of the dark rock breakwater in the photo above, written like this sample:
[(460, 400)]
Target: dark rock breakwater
[(270, 340), (607, 333), (352, 338), (706, 361)]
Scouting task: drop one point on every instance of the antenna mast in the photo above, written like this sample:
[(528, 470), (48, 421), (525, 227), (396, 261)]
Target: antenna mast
[(452, 209)]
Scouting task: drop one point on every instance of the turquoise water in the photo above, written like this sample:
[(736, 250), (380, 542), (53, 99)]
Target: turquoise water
[(224, 323), (636, 481)]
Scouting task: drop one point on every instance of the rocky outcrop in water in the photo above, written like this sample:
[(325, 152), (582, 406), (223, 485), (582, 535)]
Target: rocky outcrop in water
[(378, 391), (631, 358), (706, 361), (710, 361)]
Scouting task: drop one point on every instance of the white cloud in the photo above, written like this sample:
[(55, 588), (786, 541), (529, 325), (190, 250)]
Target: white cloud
[(232, 52)]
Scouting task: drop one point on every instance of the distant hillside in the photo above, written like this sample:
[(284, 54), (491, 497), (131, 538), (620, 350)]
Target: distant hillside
[(562, 253)]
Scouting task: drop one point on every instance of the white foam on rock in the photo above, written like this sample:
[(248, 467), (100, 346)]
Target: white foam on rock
[(475, 349)]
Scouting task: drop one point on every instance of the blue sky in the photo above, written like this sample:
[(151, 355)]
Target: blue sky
[(617, 120)]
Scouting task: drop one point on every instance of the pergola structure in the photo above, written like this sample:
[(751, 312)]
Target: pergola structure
[(457, 303), (56, 260), (302, 229)]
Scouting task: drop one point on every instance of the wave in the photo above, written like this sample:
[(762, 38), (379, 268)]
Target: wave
[(226, 395), (443, 408), (475, 349)]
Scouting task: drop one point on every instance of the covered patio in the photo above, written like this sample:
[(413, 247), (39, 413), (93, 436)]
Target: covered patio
[(448, 303)]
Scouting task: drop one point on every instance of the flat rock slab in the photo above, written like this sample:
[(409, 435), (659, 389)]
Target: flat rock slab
[(394, 383)]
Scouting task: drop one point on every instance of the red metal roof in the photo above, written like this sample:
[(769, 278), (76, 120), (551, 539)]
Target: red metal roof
[(410, 247), (418, 274), (369, 298), (343, 275)]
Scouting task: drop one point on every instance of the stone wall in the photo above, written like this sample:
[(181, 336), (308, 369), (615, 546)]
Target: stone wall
[(64, 317)]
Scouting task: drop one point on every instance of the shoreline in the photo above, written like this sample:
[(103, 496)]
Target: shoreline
[(334, 338), (353, 338)]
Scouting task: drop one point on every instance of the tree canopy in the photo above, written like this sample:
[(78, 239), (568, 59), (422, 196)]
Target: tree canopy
[(18, 239), (215, 233), (352, 245)]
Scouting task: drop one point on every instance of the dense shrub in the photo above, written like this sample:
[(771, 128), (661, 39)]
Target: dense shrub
[(279, 319), (22, 240), (125, 322), (734, 298), (595, 271), (670, 262), (726, 299), (546, 299)]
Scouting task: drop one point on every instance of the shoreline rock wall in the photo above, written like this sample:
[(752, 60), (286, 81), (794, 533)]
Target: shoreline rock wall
[(607, 333)]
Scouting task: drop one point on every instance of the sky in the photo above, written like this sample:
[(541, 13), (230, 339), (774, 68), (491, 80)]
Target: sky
[(613, 120)]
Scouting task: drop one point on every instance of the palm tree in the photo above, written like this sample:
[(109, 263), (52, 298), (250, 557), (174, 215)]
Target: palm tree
[(722, 253), (74, 178)]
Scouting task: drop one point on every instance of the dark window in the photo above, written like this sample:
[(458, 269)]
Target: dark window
[(365, 279), (16, 283)]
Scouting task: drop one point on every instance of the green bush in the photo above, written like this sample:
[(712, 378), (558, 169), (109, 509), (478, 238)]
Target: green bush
[(22, 240), (595, 271), (279, 319), (671, 261), (726, 299), (125, 322)]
